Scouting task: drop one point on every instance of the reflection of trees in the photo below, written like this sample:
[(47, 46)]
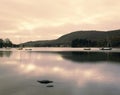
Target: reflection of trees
[(91, 56), (88, 56), (5, 53)]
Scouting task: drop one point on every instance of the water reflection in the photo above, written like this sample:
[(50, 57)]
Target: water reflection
[(74, 56), (88, 56), (21, 70), (91, 56), (5, 53)]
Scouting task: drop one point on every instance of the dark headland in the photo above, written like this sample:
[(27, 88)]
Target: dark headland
[(91, 38)]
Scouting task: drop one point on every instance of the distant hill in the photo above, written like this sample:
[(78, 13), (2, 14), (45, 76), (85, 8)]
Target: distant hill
[(98, 37)]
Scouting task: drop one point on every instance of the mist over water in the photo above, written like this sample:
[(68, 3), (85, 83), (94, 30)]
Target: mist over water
[(72, 73)]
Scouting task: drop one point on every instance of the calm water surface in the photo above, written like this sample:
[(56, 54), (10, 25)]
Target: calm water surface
[(73, 73)]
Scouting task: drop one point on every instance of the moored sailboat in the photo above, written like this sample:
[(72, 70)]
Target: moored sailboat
[(108, 46), (88, 48)]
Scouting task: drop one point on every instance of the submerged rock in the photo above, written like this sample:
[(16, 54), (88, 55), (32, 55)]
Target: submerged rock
[(50, 86), (45, 81)]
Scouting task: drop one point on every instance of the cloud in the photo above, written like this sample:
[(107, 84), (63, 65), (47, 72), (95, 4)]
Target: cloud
[(46, 17)]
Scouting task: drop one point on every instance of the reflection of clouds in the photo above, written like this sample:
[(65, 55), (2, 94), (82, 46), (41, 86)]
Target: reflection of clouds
[(52, 65), (80, 75), (88, 73), (57, 69), (11, 62), (59, 58), (28, 68)]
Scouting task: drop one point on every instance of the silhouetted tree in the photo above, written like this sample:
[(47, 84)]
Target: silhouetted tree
[(1, 43), (7, 43)]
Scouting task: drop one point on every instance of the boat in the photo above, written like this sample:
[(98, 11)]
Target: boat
[(20, 48), (50, 86), (106, 48), (87, 48), (28, 49)]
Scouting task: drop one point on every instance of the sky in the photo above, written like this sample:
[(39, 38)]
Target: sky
[(30, 20)]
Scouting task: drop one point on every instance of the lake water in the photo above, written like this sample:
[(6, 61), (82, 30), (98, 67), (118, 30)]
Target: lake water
[(73, 72)]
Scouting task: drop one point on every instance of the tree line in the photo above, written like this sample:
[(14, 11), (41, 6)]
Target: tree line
[(83, 43), (114, 42), (88, 43), (5, 43)]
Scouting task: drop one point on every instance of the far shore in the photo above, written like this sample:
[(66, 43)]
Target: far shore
[(61, 49)]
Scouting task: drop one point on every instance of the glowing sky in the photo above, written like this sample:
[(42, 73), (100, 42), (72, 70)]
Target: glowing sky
[(25, 20)]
